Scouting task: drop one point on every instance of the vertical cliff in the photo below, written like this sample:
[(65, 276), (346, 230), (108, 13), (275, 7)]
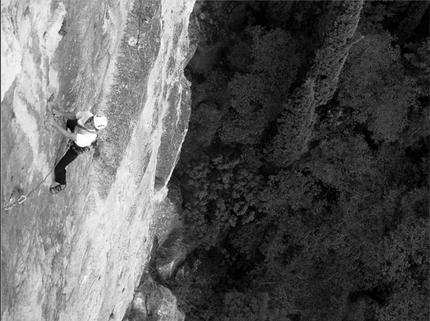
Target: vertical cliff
[(79, 255)]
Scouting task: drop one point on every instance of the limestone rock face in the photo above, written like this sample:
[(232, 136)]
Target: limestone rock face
[(80, 254), (152, 301)]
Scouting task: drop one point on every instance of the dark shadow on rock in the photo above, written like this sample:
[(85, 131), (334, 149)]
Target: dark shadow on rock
[(159, 183)]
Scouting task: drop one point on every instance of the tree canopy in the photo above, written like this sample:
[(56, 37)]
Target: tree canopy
[(304, 174)]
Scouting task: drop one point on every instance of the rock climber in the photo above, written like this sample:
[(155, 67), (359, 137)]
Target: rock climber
[(82, 129)]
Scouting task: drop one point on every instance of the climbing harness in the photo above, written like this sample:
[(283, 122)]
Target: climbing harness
[(23, 198)]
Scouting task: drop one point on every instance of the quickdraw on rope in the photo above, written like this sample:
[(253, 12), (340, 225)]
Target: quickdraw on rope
[(23, 198)]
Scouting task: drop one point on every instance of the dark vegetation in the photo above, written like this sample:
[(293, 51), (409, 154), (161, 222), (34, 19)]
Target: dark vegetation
[(304, 174)]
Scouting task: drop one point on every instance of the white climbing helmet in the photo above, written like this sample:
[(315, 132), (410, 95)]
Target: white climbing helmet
[(100, 122)]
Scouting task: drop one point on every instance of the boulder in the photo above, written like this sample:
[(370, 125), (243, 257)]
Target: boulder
[(153, 302)]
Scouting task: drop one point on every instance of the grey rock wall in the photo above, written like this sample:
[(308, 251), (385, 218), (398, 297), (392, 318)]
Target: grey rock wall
[(79, 255)]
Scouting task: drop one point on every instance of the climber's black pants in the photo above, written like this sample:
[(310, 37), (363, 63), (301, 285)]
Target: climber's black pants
[(70, 156), (60, 169)]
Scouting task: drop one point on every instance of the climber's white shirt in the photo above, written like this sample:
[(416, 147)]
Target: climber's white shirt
[(84, 137)]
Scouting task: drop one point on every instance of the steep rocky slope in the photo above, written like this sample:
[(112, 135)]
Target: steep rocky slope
[(79, 255)]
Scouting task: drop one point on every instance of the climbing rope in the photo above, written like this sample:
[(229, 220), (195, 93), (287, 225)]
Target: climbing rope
[(23, 198)]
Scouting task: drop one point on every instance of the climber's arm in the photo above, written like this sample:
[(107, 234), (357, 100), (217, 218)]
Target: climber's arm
[(65, 133)]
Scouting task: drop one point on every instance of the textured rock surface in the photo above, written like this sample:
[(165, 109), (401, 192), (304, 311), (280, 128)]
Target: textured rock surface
[(153, 302), (79, 255)]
